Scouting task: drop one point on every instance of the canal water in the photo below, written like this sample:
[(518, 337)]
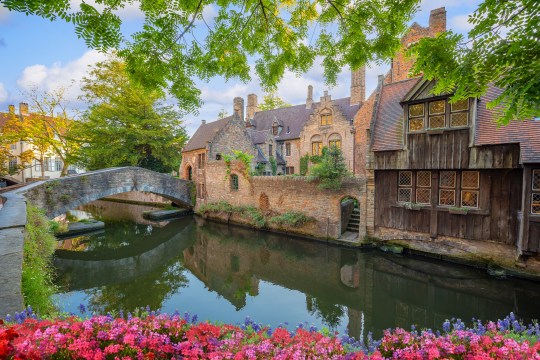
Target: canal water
[(225, 273)]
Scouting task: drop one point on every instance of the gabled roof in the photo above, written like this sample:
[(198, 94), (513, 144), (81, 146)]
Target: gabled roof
[(526, 132), (206, 133), (293, 118), (388, 126), (260, 156), (258, 136)]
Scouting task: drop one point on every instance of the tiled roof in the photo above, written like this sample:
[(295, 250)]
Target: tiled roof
[(388, 127), (260, 156), (280, 160), (206, 133), (293, 118), (526, 132), (258, 136)]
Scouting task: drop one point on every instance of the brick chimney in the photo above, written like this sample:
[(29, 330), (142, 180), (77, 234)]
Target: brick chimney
[(358, 86), (238, 107), (309, 100), (437, 21), (252, 106), (11, 109), (23, 108)]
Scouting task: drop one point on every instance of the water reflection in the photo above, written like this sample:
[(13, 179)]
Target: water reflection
[(185, 263)]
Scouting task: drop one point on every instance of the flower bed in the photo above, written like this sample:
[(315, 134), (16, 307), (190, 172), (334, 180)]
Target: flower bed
[(158, 336)]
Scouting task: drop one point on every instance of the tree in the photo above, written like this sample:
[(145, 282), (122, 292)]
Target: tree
[(49, 127), (222, 114), (330, 168), (272, 101), (126, 124), (176, 44), (503, 48)]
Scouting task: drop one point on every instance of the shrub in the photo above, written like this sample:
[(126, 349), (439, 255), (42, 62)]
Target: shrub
[(37, 272), (331, 170), (291, 218), (273, 165), (304, 161)]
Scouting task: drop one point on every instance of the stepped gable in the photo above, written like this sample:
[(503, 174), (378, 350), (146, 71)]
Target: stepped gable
[(525, 132), (295, 117), (388, 125), (205, 133)]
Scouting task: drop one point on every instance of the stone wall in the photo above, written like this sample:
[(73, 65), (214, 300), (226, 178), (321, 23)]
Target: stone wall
[(279, 194), (293, 159), (140, 197)]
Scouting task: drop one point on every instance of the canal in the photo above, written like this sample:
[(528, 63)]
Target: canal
[(225, 273)]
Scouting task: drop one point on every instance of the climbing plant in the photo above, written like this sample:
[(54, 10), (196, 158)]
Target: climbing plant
[(241, 156), (304, 160), (273, 165)]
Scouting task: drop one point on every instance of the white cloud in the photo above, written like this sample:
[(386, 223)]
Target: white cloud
[(460, 24), (57, 75), (130, 11), (4, 14), (3, 93)]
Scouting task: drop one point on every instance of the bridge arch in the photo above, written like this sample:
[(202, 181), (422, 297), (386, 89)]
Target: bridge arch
[(60, 195)]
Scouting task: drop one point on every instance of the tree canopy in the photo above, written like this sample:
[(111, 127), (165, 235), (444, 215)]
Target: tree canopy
[(126, 124), (503, 48), (272, 101), (177, 45)]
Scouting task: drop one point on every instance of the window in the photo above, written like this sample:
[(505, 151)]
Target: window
[(436, 114), (12, 163), (405, 186), (423, 187), (316, 148), (234, 182), (470, 183), (459, 113), (201, 160), (447, 191), (287, 149), (189, 173), (535, 203), (218, 156), (48, 164), (289, 170), (270, 150), (416, 117), (58, 164), (288, 130), (37, 165), (326, 118), (13, 146), (335, 143)]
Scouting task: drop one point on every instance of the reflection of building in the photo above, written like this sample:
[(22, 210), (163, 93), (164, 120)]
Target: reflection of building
[(380, 290), (52, 164)]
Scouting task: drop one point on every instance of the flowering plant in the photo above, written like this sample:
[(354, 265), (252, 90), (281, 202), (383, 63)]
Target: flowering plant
[(153, 335)]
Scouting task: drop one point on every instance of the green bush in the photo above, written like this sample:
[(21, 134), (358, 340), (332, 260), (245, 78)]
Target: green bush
[(291, 218), (304, 161), (331, 170), (37, 272), (273, 165)]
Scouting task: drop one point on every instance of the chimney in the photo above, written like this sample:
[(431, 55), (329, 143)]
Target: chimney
[(203, 122), (252, 106), (11, 109), (309, 100), (23, 108), (358, 86), (238, 107), (437, 21)]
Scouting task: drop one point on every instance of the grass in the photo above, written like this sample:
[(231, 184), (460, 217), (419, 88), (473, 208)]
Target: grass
[(37, 273), (291, 218)]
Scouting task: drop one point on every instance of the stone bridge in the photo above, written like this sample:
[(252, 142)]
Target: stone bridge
[(60, 195)]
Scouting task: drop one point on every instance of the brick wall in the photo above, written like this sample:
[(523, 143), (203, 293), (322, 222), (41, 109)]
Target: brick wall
[(278, 194)]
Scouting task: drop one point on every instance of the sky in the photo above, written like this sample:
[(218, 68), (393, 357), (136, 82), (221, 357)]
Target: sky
[(35, 52)]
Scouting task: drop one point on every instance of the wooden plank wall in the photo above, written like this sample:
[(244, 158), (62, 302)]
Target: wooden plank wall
[(496, 220), (448, 150)]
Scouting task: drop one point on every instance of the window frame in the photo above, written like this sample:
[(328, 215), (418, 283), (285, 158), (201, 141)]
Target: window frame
[(463, 189), (288, 149), (405, 186), (423, 187), (535, 191), (447, 188), (319, 150), (234, 183), (450, 109), (289, 170), (423, 117), (334, 142), (326, 118)]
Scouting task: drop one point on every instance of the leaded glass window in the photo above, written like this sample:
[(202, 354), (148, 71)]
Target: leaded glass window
[(470, 184), (535, 197), (447, 191), (423, 187), (459, 113), (405, 186), (416, 117)]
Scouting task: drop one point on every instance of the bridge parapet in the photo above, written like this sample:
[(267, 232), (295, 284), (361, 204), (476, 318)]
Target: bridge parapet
[(60, 195)]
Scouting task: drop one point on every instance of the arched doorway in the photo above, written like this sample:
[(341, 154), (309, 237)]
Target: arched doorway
[(350, 215), (189, 173)]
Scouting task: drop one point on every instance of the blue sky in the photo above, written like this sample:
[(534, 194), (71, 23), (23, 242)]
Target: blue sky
[(38, 52)]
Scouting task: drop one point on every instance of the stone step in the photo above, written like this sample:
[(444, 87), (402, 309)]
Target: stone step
[(353, 216)]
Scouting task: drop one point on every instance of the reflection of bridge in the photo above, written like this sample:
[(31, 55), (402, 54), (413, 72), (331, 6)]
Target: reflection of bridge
[(60, 195)]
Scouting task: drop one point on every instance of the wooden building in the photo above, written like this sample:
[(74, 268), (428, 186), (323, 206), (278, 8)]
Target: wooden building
[(443, 170)]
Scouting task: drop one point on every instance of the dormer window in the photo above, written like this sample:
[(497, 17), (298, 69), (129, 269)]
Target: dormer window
[(326, 117), (438, 114)]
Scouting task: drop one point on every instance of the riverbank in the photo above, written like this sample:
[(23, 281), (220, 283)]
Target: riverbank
[(165, 336)]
